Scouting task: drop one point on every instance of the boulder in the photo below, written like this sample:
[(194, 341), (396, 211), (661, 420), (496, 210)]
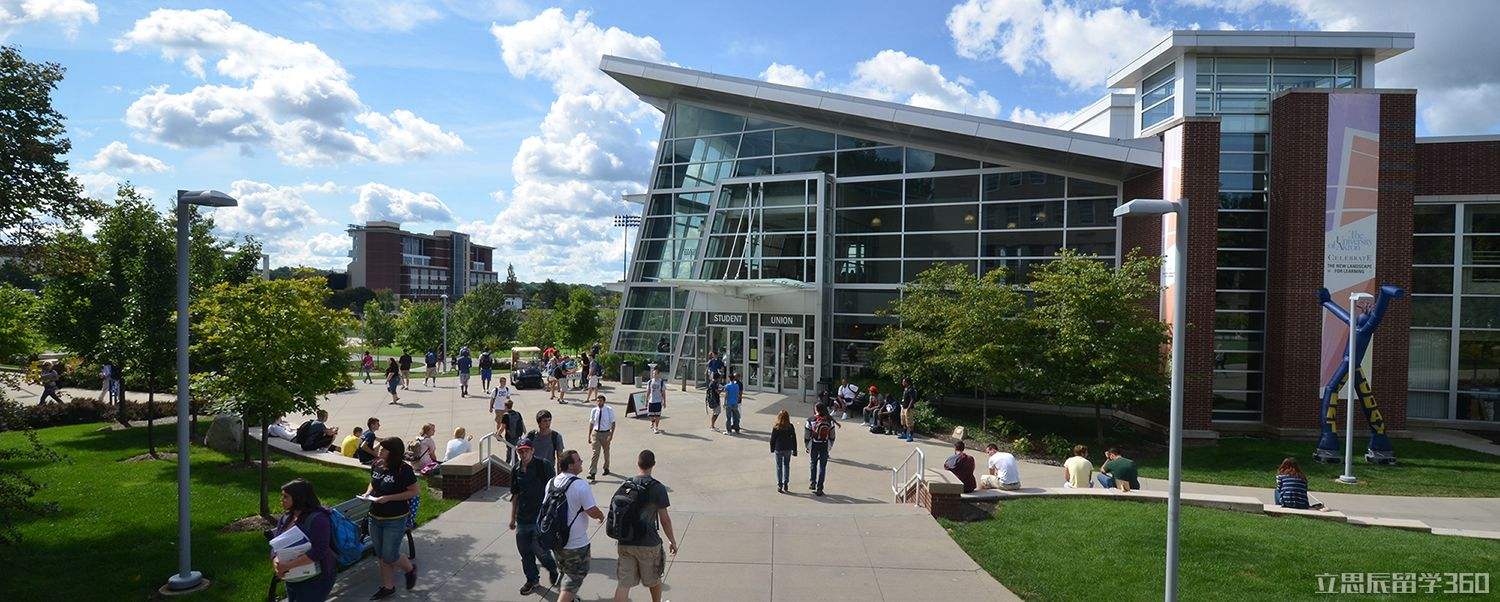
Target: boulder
[(225, 434)]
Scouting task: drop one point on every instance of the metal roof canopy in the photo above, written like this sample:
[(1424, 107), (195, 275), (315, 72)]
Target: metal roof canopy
[(1003, 142), (739, 289)]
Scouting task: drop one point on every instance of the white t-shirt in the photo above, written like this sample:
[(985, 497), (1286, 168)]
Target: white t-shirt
[(456, 447), (580, 497), (656, 390), (602, 419), (1005, 467), (1079, 468), (497, 401), (849, 392)]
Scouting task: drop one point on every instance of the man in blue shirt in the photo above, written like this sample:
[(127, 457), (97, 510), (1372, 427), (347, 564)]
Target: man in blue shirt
[(464, 365), (431, 361), (732, 393), (715, 367)]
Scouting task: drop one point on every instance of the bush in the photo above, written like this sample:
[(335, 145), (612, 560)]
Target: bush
[(1005, 428), (926, 419), (1056, 446), (81, 410), (1022, 446)]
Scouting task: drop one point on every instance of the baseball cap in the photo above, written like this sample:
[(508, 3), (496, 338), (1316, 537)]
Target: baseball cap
[(523, 443)]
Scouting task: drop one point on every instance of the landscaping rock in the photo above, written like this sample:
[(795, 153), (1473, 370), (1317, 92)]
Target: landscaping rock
[(225, 434)]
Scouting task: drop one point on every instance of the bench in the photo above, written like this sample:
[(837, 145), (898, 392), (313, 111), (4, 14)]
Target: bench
[(358, 511)]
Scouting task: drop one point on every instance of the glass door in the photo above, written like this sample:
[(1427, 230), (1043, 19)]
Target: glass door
[(770, 363), (791, 359), (734, 354)]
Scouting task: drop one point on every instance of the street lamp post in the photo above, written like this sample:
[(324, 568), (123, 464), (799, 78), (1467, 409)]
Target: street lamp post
[(627, 222), (186, 578), (445, 332), (1179, 359), (1348, 476)]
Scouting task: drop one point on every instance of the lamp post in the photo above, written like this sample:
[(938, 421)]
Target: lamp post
[(1179, 358), (1348, 476), (627, 222), (186, 578), (445, 332)]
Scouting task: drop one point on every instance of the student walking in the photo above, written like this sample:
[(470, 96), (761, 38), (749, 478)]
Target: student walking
[(783, 447), (547, 442), (656, 399), (392, 483), (301, 509), (818, 439), (367, 365), (908, 403), (486, 370), (636, 512), (596, 373), (430, 362), (393, 380), (733, 394), (573, 559), (527, 487), (711, 399), (405, 370), (49, 376), (601, 431), (465, 364)]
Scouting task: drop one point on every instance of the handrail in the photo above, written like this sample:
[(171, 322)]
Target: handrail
[(486, 447), (902, 475)]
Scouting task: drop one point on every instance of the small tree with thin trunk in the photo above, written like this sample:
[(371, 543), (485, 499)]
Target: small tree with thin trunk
[(420, 325), (280, 349), (379, 328)]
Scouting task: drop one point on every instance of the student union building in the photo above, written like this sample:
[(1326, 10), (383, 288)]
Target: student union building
[(780, 220)]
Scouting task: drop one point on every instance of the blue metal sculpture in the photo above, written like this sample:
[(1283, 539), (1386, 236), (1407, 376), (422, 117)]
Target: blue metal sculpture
[(1329, 448)]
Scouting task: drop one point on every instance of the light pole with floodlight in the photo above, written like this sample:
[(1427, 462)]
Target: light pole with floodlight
[(627, 222), (1162, 207), (186, 578), (1348, 476)]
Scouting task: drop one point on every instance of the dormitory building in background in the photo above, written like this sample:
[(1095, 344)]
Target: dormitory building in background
[(420, 267), (779, 220)]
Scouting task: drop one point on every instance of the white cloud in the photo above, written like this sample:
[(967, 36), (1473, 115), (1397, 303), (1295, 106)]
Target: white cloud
[(287, 95), (896, 76), (381, 202), (375, 15), (1079, 46), (1051, 120), (326, 250), (118, 156), (270, 212), (102, 186), (791, 75), (70, 14), (594, 145)]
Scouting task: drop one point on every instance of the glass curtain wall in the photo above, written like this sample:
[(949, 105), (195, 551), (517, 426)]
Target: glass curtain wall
[(1454, 370), (1239, 90)]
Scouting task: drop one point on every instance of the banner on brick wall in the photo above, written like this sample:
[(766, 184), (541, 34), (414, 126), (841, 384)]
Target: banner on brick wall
[(1171, 187), (1350, 213)]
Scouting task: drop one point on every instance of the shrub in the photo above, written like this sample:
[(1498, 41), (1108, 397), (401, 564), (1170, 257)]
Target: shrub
[(1022, 446), (926, 419), (1056, 446), (83, 410), (1005, 428)]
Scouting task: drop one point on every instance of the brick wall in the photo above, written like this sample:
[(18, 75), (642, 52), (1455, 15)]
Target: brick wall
[(1200, 186), (1457, 167), (383, 260), (1398, 175), (1143, 233)]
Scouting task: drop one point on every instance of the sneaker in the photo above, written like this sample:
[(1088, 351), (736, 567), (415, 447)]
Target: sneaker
[(591, 478), (818, 493), (383, 593), (606, 472), (528, 588), (411, 577)]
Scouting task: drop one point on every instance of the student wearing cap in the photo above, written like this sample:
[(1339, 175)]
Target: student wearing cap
[(528, 485)]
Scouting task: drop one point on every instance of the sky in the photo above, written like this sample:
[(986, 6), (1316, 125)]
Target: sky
[(491, 116)]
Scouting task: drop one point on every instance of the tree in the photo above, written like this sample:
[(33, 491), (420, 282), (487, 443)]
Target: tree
[(379, 328), (352, 299), (577, 322), (536, 327), (511, 286), (481, 319), (18, 334), (36, 191), (420, 325), (957, 333), (280, 349), (549, 293), (1103, 343)]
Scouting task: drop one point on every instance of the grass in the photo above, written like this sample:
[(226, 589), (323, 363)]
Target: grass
[(114, 534), (1423, 469), (1058, 549)]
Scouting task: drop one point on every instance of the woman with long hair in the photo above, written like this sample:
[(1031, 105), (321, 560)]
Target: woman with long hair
[(304, 511), (392, 485), (426, 448), (783, 446), (393, 379), (1291, 485)]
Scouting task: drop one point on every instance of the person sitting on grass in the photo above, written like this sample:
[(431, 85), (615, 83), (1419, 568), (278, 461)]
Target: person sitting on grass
[(962, 466), (1118, 471), (1004, 473), (1291, 485), (1078, 470)]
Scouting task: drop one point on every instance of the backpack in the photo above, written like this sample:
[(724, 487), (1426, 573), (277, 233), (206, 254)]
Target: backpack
[(345, 541), (822, 431), (301, 435), (624, 520), (553, 525)]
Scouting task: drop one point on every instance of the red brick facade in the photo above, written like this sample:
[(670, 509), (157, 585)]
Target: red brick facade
[(1458, 167), (1200, 187), (383, 257)]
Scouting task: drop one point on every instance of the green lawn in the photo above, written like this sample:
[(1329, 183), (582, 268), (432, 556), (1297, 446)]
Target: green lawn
[(1058, 549), (1425, 469), (114, 535)]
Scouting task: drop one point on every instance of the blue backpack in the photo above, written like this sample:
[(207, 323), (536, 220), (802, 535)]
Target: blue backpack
[(346, 542)]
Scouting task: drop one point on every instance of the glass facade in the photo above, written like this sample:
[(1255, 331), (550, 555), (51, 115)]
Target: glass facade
[(1239, 90), (1157, 96), (1454, 370)]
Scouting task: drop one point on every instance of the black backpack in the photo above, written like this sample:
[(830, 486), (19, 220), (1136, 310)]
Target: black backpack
[(300, 436), (624, 520), (553, 525)]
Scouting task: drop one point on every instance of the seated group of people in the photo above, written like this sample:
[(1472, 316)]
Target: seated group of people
[(1004, 473), (363, 444)]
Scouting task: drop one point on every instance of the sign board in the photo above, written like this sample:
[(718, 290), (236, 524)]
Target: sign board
[(781, 320), (1350, 210), (727, 319)]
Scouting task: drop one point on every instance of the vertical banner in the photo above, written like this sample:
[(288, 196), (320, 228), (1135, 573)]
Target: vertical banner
[(1349, 218), (1171, 187)]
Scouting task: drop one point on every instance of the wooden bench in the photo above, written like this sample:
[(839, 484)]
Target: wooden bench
[(358, 512)]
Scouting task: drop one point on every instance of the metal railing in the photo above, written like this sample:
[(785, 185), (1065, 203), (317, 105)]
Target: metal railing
[(487, 449), (903, 474)]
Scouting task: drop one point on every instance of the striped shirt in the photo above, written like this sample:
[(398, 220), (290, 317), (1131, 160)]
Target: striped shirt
[(1291, 491)]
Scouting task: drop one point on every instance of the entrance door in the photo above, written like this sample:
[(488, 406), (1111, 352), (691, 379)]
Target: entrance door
[(729, 343), (770, 365), (791, 360)]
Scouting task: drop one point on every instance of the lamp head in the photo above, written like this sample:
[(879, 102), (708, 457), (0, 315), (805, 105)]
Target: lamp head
[(206, 198), (1147, 207)]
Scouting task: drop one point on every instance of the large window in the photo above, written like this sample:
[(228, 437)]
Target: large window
[(1454, 370), (1157, 97)]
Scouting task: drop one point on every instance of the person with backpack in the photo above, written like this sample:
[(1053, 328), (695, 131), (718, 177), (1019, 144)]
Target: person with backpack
[(430, 361), (405, 363), (315, 434), (548, 443), (656, 398), (303, 510), (783, 446), (711, 399), (508, 422), (392, 485), (733, 394), (821, 430), (393, 380), (465, 364), (486, 370), (559, 528), (367, 365), (369, 443), (527, 485), (635, 511), (908, 403)]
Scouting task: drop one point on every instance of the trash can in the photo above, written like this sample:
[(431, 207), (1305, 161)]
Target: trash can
[(627, 372)]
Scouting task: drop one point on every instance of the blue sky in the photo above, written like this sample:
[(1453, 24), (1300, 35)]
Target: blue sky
[(488, 116)]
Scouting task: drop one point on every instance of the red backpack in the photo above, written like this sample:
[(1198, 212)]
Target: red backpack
[(822, 430)]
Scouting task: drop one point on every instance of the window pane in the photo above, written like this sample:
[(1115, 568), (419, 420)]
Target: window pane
[(649, 297), (1313, 66), (755, 144), (1479, 312), (1482, 250), (1242, 219), (1243, 83), (1249, 280), (1238, 341), (1432, 281), (1078, 188), (877, 161), (864, 194), (1236, 381), (867, 272), (1284, 82), (1242, 142), (862, 302), (752, 123), (1022, 244), (1242, 259), (1006, 216), (942, 217), (942, 245), (1479, 406), (1428, 364), (1239, 301), (1481, 281), (784, 245), (1237, 361), (860, 327), (1242, 200), (1092, 242), (1239, 320), (918, 161), (1432, 249), (783, 220), (714, 148), (1346, 66), (802, 140), (915, 268), (867, 247), (1245, 123), (852, 142), (689, 121), (778, 194), (1242, 181), (1242, 240), (1435, 219), (802, 163), (695, 175), (1204, 103), (1479, 361), (1242, 162), (693, 202), (1017, 271), (1092, 212), (663, 177), (1205, 82), (752, 167), (661, 204), (1242, 65), (1431, 311), (868, 220), (1156, 114), (1427, 404), (956, 189), (1022, 185), (1482, 219)]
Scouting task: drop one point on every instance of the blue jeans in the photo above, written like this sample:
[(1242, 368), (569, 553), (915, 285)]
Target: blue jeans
[(817, 458), (732, 421), (1108, 482), (783, 467), (386, 534), (531, 551)]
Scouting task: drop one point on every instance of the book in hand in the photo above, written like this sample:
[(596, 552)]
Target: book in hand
[(366, 497), (287, 547)]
